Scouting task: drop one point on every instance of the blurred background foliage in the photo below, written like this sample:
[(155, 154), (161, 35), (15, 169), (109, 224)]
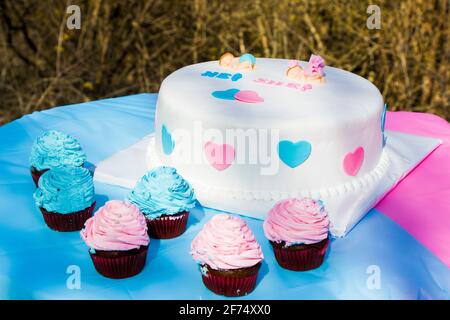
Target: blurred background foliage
[(127, 47)]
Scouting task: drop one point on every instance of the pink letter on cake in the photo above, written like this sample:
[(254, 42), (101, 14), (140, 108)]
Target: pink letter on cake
[(353, 161), (220, 156)]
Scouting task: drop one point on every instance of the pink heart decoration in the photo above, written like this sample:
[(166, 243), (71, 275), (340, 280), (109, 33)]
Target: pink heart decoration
[(220, 156), (248, 96), (353, 161)]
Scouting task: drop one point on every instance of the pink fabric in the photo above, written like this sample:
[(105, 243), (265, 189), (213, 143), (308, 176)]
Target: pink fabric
[(421, 202)]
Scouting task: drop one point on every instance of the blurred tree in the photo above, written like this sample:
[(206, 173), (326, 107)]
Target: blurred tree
[(126, 47)]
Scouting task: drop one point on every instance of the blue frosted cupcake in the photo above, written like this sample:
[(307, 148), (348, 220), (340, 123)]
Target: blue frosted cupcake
[(52, 149), (165, 199), (66, 197)]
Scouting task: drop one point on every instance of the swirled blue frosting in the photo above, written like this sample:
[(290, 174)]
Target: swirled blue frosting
[(54, 148), (162, 191), (65, 189)]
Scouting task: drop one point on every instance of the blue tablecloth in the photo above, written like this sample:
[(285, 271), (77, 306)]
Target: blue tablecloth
[(377, 260)]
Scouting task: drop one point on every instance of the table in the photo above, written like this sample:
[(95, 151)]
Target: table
[(398, 251)]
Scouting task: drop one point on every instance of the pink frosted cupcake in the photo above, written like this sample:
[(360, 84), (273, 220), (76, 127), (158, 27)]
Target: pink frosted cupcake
[(228, 255), (298, 232), (118, 239)]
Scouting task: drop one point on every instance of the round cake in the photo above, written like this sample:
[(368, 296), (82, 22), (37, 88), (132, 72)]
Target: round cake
[(250, 133)]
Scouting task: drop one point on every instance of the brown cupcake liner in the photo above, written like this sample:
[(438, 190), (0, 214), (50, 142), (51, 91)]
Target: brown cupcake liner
[(231, 283), (167, 226), (300, 257), (119, 264), (67, 222), (36, 174)]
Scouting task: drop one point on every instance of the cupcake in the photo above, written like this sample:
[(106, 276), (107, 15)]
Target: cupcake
[(165, 199), (228, 255), (298, 232), (52, 149), (66, 197), (118, 239)]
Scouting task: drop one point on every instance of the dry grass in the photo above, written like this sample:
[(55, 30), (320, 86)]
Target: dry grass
[(127, 47)]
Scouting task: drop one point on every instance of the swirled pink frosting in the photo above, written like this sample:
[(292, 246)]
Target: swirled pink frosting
[(225, 243), (117, 226), (297, 221)]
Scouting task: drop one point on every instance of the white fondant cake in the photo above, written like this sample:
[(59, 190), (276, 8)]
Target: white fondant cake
[(261, 135)]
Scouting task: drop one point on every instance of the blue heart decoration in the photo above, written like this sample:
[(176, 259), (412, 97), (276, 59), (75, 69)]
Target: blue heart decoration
[(168, 144), (383, 122), (294, 154), (225, 95)]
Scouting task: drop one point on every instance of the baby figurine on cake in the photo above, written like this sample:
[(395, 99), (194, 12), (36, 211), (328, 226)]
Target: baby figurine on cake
[(313, 72), (246, 62)]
